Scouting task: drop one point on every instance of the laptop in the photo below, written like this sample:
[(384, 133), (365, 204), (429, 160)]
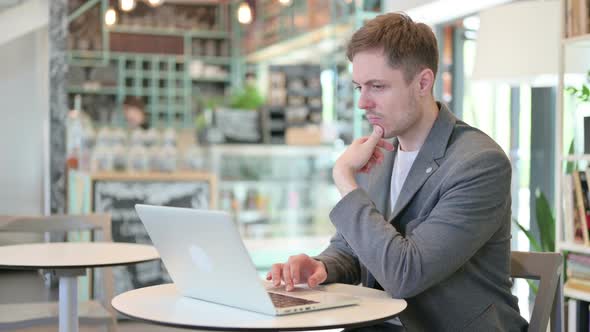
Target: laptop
[(207, 260)]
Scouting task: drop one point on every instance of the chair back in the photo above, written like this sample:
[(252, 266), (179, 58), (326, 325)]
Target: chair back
[(59, 223), (547, 267)]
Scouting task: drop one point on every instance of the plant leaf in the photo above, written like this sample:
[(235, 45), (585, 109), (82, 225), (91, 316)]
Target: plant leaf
[(533, 286), (545, 221), (534, 244), (571, 90), (570, 165)]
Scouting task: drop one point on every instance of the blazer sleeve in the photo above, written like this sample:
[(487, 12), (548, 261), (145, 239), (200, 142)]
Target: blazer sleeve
[(341, 263), (474, 200)]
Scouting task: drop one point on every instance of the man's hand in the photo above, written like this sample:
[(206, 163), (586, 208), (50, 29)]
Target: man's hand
[(361, 156), (298, 269)]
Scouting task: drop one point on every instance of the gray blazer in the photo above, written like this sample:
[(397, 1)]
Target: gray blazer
[(445, 248)]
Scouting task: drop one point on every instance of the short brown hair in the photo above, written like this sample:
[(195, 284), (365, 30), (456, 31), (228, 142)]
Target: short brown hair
[(408, 45), (134, 101)]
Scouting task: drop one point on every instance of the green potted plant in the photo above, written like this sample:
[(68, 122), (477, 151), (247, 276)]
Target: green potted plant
[(240, 121)]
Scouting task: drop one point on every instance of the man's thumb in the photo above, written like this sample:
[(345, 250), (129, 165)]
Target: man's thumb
[(376, 135), (317, 277)]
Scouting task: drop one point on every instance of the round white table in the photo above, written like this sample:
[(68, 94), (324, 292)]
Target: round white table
[(163, 305), (68, 261)]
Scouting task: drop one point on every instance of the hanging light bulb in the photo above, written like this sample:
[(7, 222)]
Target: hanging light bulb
[(127, 5), (244, 13), (285, 2), (154, 3), (110, 16)]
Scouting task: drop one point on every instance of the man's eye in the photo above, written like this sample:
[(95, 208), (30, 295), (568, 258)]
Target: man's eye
[(357, 87), (377, 87)]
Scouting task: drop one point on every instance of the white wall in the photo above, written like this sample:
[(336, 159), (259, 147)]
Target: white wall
[(434, 12), (22, 18), (24, 114)]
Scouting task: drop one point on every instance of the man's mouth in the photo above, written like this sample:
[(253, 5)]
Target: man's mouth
[(373, 119)]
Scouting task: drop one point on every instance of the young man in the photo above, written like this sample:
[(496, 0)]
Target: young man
[(426, 218)]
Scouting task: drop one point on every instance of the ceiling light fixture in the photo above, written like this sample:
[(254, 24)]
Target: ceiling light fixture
[(127, 5), (110, 17), (155, 3), (244, 13)]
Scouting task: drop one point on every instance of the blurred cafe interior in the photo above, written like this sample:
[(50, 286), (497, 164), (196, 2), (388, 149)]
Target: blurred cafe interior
[(244, 106)]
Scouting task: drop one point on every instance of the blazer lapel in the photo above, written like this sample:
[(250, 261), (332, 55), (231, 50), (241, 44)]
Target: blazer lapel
[(426, 162), (378, 187), (380, 182)]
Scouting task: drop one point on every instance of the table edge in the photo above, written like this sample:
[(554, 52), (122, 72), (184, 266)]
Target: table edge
[(50, 267), (228, 328)]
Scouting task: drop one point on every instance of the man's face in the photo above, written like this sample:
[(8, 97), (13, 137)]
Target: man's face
[(134, 116), (385, 96)]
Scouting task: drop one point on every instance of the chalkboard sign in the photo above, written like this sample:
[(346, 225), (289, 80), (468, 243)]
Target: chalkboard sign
[(118, 197)]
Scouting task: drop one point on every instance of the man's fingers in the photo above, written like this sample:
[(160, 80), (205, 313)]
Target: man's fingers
[(287, 277), (373, 160), (312, 281), (380, 143), (295, 272), (369, 166), (276, 274), (385, 145), (317, 277), (379, 156), (363, 139)]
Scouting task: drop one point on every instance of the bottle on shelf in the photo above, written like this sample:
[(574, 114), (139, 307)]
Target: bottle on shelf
[(79, 137)]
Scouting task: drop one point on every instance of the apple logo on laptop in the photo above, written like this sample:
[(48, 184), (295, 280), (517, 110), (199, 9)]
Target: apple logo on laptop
[(200, 258)]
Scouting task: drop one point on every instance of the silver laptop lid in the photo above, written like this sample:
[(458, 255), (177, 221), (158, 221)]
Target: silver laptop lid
[(205, 256)]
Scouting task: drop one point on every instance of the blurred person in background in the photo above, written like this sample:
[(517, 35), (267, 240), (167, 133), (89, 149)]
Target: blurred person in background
[(135, 114)]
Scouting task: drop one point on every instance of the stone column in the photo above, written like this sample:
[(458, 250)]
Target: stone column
[(58, 105)]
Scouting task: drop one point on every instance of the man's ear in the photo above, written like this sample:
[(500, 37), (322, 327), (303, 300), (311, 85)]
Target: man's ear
[(425, 81)]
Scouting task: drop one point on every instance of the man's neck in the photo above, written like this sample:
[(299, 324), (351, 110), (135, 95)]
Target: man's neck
[(415, 136)]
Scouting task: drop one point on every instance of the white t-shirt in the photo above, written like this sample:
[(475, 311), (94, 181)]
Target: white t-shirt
[(401, 167)]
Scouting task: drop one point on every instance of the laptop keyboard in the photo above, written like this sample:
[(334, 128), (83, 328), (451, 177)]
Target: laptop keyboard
[(283, 301)]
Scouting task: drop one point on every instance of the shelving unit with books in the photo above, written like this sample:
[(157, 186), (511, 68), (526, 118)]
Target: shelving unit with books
[(572, 188)]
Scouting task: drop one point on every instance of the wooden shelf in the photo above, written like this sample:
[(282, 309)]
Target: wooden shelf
[(574, 247), (211, 79), (170, 32), (285, 184), (214, 60), (152, 176), (577, 41), (576, 294), (98, 90)]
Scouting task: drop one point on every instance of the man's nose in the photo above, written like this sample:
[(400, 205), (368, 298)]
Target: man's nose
[(365, 102)]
